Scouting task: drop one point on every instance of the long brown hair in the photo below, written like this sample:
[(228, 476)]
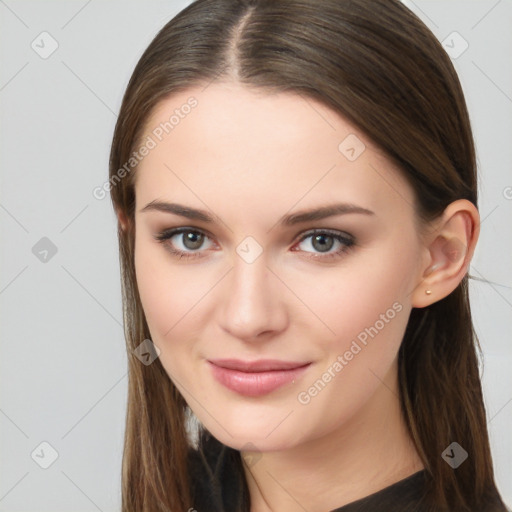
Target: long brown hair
[(375, 63)]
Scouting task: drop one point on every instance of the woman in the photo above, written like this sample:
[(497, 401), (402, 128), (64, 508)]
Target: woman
[(295, 183)]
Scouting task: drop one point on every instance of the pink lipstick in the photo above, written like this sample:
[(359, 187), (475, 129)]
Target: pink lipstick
[(255, 378)]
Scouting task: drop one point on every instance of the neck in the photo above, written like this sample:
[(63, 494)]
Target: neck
[(364, 455)]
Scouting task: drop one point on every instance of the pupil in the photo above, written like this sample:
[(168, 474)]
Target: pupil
[(323, 246), (193, 240)]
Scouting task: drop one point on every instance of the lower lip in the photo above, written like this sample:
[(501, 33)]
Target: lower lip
[(255, 383)]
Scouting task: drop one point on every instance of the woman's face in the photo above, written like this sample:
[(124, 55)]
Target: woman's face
[(277, 324)]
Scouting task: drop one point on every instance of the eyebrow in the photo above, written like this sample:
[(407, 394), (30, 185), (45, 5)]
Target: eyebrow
[(287, 220)]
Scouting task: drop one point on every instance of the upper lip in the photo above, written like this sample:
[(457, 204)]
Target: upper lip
[(263, 365)]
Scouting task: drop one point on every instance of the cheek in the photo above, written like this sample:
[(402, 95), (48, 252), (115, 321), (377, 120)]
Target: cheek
[(328, 309), (367, 288), (176, 300), (165, 297), (367, 305), (334, 305), (154, 289), (166, 290)]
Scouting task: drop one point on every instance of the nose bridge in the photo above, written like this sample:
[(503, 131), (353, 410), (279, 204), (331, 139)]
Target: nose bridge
[(250, 279), (251, 299)]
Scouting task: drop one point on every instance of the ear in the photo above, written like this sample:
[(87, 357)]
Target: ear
[(448, 250), (122, 219)]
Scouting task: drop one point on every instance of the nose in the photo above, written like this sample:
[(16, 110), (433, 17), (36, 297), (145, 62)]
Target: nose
[(251, 305)]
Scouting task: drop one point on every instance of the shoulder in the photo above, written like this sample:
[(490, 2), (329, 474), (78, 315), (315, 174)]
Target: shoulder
[(410, 495)]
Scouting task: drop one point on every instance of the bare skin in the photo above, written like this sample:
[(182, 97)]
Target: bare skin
[(249, 158)]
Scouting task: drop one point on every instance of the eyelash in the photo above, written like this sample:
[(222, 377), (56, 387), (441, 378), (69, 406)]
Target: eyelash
[(347, 241)]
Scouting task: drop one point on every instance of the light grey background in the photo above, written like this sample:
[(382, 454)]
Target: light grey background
[(62, 365)]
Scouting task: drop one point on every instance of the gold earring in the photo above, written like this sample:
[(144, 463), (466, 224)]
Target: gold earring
[(428, 292)]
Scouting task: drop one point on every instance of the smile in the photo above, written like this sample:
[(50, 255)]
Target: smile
[(255, 378)]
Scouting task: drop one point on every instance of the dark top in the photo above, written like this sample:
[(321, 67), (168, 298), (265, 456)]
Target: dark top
[(218, 485)]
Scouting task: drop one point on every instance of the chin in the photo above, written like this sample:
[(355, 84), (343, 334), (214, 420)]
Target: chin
[(256, 436)]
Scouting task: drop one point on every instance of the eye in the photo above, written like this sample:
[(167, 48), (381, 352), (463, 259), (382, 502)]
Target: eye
[(189, 241), (323, 241)]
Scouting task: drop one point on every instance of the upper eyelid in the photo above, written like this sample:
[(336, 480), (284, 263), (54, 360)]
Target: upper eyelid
[(306, 234), (171, 232)]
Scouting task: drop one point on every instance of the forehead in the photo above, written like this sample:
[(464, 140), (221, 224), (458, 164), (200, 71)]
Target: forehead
[(249, 146)]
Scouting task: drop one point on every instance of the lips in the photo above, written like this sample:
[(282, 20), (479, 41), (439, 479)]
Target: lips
[(255, 378), (256, 366)]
